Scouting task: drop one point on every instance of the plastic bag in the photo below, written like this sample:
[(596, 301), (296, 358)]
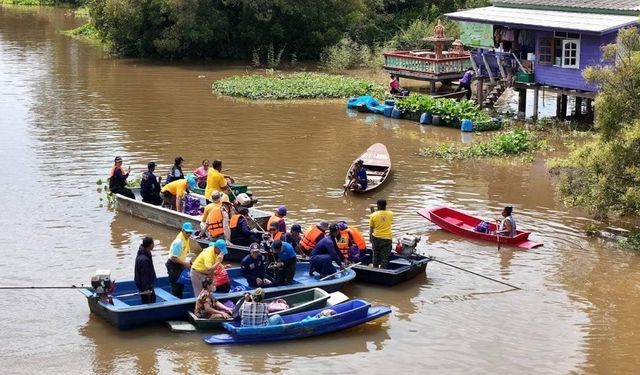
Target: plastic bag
[(278, 305), (482, 227), (185, 277)]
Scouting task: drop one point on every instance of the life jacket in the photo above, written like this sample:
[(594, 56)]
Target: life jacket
[(312, 235), (344, 242), (278, 236), (113, 182), (214, 222), (273, 219), (357, 238), (235, 220)]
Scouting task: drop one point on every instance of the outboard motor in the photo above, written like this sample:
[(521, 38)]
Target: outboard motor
[(407, 244), (103, 284), (246, 199)]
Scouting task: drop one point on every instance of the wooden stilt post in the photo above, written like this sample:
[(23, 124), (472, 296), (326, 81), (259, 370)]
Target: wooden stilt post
[(479, 91), (536, 95), (433, 87), (563, 107), (590, 107), (522, 103), (578, 106), (558, 106)]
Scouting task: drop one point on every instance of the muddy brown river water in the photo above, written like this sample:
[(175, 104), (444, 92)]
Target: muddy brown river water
[(66, 109)]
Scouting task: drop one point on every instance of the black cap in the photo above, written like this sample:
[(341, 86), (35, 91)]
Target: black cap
[(333, 228), (117, 159), (151, 164), (296, 228)]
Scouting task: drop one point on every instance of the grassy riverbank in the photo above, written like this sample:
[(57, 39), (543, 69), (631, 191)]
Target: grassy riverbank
[(296, 86), (86, 32)]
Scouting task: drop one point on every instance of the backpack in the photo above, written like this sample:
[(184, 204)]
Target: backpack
[(482, 227)]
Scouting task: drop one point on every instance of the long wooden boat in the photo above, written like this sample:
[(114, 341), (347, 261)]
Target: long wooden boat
[(171, 218), (296, 326), (377, 163), (127, 311), (400, 268), (305, 300), (463, 224)]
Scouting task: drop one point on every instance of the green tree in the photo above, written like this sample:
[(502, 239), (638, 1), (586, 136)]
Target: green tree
[(603, 176)]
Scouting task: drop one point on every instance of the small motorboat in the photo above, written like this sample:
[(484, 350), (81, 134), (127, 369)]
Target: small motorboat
[(401, 268), (463, 224), (377, 163), (305, 324)]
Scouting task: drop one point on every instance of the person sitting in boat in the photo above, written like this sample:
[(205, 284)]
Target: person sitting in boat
[(144, 272), (206, 262), (216, 217), (293, 238), (207, 307), (278, 218), (394, 86), (286, 263), (241, 234), (325, 253), (254, 312), (507, 225), (201, 174), (312, 236), (358, 177), (274, 232), (351, 243), (216, 181), (176, 170), (118, 179), (178, 251), (150, 186), (254, 267), (174, 192)]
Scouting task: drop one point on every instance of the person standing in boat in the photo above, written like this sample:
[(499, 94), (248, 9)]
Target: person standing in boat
[(150, 186), (507, 225), (241, 234), (312, 236), (177, 261), (206, 262), (293, 238), (216, 181), (176, 170), (325, 253), (254, 267), (144, 272), (465, 82), (201, 173), (216, 218), (118, 179), (174, 192), (380, 234), (287, 260)]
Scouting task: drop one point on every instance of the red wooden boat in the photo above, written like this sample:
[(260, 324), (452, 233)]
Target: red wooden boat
[(462, 224)]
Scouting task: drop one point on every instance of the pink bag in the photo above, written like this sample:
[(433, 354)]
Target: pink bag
[(277, 305)]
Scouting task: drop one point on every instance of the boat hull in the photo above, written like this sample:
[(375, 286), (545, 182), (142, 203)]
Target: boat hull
[(400, 269), (377, 163)]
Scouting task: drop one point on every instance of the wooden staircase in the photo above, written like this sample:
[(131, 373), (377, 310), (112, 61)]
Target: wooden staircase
[(494, 94)]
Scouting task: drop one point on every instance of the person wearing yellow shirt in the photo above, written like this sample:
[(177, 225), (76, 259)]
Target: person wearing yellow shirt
[(173, 192), (380, 234), (206, 262), (216, 181), (177, 261)]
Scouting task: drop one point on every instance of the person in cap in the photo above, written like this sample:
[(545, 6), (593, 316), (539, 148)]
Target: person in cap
[(173, 193), (325, 253), (278, 218), (118, 179), (293, 238), (144, 272), (358, 177), (380, 234), (150, 186), (286, 263), (254, 267), (241, 234), (201, 173), (207, 307), (216, 181), (178, 251), (175, 173), (216, 217), (312, 235), (274, 232), (254, 312), (206, 262)]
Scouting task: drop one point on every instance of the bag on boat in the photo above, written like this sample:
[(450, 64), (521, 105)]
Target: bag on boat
[(192, 206), (278, 305), (185, 277), (482, 227), (354, 253)]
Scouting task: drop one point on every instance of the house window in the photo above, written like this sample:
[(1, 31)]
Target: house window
[(545, 51), (570, 53), (563, 50)]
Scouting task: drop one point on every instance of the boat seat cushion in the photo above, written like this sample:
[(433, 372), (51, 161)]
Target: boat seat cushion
[(165, 295)]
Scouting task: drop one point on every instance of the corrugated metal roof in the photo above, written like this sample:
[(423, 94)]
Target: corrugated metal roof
[(633, 5), (548, 19)]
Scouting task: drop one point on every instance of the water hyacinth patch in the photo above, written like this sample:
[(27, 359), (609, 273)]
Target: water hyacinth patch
[(516, 142), (296, 86)]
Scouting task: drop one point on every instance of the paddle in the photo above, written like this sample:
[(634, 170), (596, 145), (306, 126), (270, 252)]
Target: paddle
[(256, 223), (498, 234), (474, 273), (335, 273), (347, 187)]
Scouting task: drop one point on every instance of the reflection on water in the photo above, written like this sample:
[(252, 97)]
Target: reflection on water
[(67, 110)]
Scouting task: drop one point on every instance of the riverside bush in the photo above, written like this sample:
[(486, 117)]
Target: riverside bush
[(450, 110), (515, 142), (295, 86)]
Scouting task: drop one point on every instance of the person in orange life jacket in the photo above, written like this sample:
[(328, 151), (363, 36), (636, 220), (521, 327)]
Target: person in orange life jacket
[(293, 237), (312, 235), (325, 253), (118, 179), (176, 170), (278, 217), (274, 232), (346, 243), (241, 234), (150, 186), (217, 220), (254, 267)]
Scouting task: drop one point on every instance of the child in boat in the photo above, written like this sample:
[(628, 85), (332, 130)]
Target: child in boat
[(207, 307)]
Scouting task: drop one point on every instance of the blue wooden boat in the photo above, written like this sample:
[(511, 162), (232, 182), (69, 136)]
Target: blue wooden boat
[(305, 324), (127, 312)]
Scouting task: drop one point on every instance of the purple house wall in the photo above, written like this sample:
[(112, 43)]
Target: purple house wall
[(590, 54)]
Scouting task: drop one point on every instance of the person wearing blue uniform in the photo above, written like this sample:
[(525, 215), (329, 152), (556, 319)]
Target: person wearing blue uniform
[(150, 186), (286, 261), (241, 234), (145, 273), (254, 267), (325, 253)]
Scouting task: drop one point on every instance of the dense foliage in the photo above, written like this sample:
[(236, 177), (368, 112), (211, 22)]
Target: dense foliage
[(450, 110), (295, 86), (41, 2), (603, 176), (511, 143)]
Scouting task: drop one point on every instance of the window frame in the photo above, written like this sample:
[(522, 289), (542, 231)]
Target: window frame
[(565, 42)]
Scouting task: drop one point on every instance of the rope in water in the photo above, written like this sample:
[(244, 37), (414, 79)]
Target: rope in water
[(474, 273)]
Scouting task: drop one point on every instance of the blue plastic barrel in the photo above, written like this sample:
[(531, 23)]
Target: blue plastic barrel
[(396, 113), (387, 111), (466, 126), (390, 102), (425, 118)]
